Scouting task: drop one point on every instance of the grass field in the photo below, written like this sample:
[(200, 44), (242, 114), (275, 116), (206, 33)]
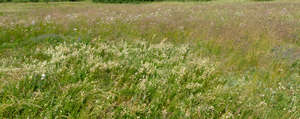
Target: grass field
[(156, 60)]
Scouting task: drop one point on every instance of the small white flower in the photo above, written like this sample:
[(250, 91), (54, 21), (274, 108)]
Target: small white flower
[(43, 76), (47, 18)]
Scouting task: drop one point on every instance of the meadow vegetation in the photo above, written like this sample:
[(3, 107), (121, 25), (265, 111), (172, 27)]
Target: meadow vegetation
[(156, 60), (129, 1)]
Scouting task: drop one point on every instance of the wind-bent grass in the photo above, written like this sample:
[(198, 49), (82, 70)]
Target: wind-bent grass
[(160, 60)]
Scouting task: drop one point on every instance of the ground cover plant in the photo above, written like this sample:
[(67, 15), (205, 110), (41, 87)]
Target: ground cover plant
[(156, 60)]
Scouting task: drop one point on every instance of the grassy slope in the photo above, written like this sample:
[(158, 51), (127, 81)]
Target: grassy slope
[(167, 60)]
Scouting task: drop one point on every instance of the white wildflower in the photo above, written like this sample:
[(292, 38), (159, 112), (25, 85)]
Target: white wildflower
[(48, 18), (43, 76)]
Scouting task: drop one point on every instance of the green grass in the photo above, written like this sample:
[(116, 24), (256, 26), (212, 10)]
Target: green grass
[(157, 60)]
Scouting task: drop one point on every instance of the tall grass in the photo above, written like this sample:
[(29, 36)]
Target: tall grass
[(162, 60)]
